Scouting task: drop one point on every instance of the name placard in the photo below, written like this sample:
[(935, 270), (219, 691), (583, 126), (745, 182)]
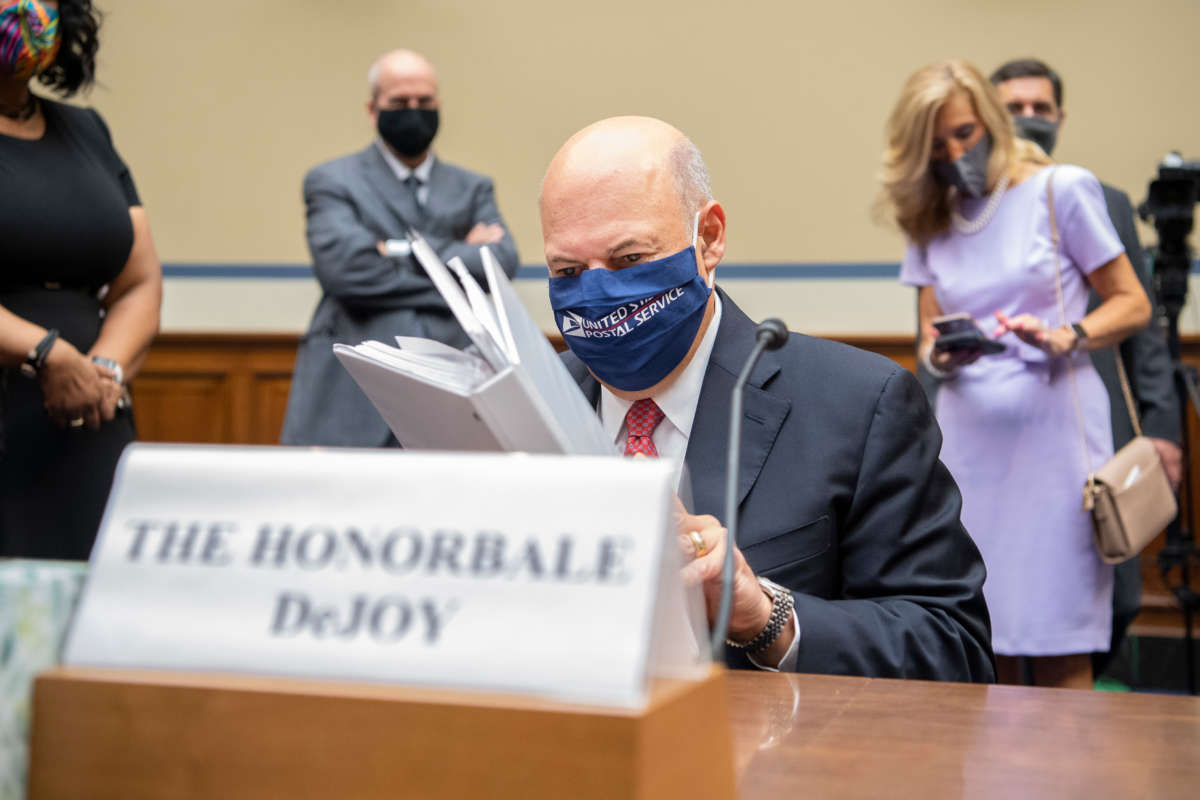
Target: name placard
[(553, 575)]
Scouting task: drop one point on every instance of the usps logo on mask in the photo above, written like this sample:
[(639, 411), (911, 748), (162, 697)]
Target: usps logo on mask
[(572, 325), (621, 320)]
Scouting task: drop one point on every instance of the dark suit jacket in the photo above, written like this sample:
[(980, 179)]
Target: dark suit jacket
[(352, 203), (1148, 366), (843, 500), (1147, 362)]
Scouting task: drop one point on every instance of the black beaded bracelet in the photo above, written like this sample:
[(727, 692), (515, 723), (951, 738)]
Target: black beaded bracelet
[(36, 357)]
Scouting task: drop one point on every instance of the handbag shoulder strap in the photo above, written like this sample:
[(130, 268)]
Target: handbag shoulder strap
[(1130, 406), (1125, 390)]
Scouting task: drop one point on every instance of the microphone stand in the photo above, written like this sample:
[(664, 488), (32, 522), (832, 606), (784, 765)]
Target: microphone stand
[(771, 334)]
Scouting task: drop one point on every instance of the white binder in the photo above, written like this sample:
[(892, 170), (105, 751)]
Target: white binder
[(515, 396)]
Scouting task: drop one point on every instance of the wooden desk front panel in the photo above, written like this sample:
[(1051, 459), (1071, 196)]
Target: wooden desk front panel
[(115, 733)]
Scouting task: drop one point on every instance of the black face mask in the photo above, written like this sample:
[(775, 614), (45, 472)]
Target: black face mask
[(408, 130), (1041, 132), (969, 173)]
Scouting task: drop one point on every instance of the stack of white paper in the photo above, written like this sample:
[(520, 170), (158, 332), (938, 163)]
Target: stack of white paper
[(514, 395)]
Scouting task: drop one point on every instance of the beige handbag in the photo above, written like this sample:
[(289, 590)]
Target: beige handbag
[(1130, 497)]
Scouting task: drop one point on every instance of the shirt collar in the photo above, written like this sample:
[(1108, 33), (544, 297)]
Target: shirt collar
[(678, 401), (401, 169)]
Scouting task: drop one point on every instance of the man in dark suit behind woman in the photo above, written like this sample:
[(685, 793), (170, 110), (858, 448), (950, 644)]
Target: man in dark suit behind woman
[(359, 208), (851, 555), (1033, 94)]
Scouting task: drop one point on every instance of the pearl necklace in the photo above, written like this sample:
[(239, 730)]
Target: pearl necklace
[(968, 227)]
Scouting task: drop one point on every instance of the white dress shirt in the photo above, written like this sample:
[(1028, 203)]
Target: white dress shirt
[(678, 404), (403, 171)]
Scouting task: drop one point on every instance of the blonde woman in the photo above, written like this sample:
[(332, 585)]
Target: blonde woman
[(972, 200)]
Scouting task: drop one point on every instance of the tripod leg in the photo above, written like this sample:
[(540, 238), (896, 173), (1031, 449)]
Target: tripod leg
[(1180, 547)]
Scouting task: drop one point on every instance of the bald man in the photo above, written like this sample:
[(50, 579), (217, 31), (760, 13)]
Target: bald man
[(852, 558), (359, 207)]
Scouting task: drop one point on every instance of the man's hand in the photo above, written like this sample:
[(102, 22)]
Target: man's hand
[(485, 233), (751, 607), (1172, 460)]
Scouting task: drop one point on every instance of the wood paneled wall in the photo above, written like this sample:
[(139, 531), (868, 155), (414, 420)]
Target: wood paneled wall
[(214, 389), (232, 389)]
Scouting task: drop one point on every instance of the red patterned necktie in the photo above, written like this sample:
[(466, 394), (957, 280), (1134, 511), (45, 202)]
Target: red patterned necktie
[(640, 421)]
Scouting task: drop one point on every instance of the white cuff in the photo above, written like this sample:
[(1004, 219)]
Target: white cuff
[(788, 662), (397, 248)]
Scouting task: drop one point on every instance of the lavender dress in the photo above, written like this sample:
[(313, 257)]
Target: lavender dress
[(1012, 436)]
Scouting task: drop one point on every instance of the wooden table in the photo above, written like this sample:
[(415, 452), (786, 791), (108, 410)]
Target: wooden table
[(815, 736), (126, 734)]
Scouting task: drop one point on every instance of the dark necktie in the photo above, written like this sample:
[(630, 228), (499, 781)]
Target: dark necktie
[(414, 187), (640, 421)]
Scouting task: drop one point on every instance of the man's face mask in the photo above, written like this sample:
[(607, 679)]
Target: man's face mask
[(408, 130), (969, 171), (1041, 132), (631, 327), (29, 38)]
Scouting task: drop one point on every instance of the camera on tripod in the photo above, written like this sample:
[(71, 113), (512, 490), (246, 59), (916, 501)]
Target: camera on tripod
[(1170, 204)]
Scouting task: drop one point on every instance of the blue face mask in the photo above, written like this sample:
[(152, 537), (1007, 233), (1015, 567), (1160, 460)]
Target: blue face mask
[(632, 326)]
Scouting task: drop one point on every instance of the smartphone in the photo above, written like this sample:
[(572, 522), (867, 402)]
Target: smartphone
[(954, 323), (958, 332)]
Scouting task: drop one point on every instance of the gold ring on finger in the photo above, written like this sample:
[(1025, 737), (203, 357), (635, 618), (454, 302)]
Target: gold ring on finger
[(698, 543), (76, 423)]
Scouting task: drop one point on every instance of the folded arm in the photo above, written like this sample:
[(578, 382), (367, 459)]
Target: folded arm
[(490, 229), (345, 252)]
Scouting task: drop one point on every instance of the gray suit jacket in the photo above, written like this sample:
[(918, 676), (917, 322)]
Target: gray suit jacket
[(352, 203), (842, 499)]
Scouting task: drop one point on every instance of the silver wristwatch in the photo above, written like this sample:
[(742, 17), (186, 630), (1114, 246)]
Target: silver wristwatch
[(112, 366), (782, 603)]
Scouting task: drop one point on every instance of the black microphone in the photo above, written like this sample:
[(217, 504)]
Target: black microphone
[(771, 334)]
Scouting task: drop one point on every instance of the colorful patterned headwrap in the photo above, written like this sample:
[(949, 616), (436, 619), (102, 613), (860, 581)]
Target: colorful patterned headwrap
[(29, 37)]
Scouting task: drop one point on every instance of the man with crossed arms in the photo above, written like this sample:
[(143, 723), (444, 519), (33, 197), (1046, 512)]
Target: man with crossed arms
[(852, 558), (359, 208)]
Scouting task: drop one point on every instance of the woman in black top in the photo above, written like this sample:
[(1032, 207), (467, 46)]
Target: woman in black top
[(80, 286)]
